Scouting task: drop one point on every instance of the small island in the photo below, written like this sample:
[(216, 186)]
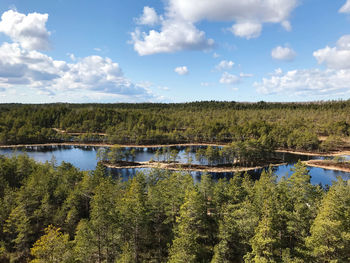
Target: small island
[(209, 159), (337, 163)]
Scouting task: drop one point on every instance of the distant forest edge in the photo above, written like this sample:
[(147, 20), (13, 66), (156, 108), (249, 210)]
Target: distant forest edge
[(313, 126)]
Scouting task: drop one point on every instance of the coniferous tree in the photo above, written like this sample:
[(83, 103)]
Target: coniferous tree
[(330, 232), (134, 220), (53, 247), (190, 242)]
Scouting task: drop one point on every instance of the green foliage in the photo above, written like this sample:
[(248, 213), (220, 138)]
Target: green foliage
[(330, 231), (190, 243), (52, 247), (115, 154), (99, 238), (272, 125), (56, 213)]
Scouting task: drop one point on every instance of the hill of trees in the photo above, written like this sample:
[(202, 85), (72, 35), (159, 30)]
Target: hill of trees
[(51, 213), (276, 125)]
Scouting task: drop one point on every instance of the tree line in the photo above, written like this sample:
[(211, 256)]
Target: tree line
[(248, 153), (295, 126), (57, 213)]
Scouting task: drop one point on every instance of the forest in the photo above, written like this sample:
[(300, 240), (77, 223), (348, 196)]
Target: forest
[(57, 213), (295, 126)]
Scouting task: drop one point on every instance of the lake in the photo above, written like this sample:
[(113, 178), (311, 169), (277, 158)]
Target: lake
[(84, 157)]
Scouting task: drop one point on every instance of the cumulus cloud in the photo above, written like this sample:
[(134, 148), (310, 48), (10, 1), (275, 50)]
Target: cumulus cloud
[(332, 81), (32, 69), (337, 57), (247, 30), (233, 10), (345, 8), (229, 79), (178, 26), (225, 65), (175, 35), (149, 17), (22, 65), (181, 70), (27, 30), (283, 53), (313, 82)]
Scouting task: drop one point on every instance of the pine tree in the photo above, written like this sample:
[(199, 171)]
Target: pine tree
[(53, 247), (134, 220), (303, 200), (190, 244), (265, 243), (330, 232), (101, 234)]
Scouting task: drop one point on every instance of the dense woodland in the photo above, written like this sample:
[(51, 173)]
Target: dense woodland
[(51, 213), (274, 125)]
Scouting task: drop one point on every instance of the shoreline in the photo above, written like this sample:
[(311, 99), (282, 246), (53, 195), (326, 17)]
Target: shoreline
[(333, 153), (170, 166), (318, 164), (110, 145)]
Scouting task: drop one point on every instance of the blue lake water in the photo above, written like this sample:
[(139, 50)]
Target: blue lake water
[(84, 157)]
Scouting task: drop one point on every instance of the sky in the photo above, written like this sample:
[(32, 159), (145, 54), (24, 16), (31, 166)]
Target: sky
[(110, 51)]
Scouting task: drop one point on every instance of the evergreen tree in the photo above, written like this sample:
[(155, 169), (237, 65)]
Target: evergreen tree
[(303, 203), (53, 247), (265, 243), (101, 234), (330, 232), (190, 243), (134, 220)]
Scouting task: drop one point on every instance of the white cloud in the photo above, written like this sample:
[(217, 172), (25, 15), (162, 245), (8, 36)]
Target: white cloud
[(246, 75), (278, 72), (149, 17), (283, 53), (229, 79), (23, 67), (175, 35), (181, 70), (27, 30), (72, 57), (247, 30), (335, 57), (91, 75), (178, 26), (225, 65), (266, 11), (287, 26), (314, 82), (345, 8)]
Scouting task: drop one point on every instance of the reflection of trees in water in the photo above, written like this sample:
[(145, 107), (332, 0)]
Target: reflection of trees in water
[(87, 148)]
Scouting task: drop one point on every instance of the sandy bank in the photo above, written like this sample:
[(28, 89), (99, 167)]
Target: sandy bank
[(334, 153), (327, 165), (194, 168)]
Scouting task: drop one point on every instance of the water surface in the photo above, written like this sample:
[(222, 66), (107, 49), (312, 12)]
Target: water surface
[(84, 157)]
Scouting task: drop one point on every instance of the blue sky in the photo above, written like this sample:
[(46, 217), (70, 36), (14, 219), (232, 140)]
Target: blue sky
[(174, 50)]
